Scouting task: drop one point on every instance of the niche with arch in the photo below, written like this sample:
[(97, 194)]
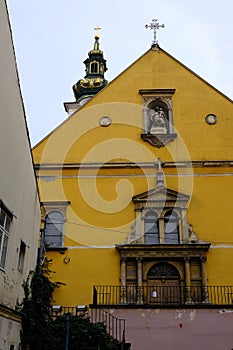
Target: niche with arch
[(158, 126)]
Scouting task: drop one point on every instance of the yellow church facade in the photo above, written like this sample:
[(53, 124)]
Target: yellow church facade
[(136, 189)]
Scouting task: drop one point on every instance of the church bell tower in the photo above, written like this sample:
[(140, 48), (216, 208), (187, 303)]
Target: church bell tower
[(93, 81)]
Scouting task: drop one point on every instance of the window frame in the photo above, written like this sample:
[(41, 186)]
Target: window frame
[(94, 67), (21, 257), (58, 237), (5, 227), (161, 224), (155, 225), (48, 207), (171, 217)]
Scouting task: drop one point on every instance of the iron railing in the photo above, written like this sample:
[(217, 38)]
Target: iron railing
[(163, 295), (115, 326)]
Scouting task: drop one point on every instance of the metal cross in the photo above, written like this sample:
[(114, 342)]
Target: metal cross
[(155, 26), (97, 30)]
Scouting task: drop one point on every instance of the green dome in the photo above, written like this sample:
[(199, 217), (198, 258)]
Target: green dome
[(94, 80)]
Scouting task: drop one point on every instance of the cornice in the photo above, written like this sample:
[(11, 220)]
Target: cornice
[(163, 250), (157, 91), (53, 203), (10, 314), (124, 165)]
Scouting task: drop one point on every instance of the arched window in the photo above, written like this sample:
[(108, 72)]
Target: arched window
[(163, 270), (94, 67), (171, 228), (151, 228), (164, 284), (54, 223)]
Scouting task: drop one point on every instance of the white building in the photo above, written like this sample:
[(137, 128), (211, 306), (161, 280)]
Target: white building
[(19, 200)]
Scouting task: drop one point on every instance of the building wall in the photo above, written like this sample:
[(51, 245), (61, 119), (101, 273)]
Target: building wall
[(70, 166), (95, 171), (10, 326), (92, 257), (188, 328), (18, 188)]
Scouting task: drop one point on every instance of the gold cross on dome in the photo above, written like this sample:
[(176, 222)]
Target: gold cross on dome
[(97, 31), (155, 26)]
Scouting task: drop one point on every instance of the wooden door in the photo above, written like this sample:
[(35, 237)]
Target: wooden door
[(164, 291)]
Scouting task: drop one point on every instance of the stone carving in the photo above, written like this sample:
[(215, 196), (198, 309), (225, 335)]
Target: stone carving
[(158, 140), (158, 121), (192, 236), (158, 127), (131, 237)]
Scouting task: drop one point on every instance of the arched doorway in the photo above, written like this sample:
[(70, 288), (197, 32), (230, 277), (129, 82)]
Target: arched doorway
[(163, 281)]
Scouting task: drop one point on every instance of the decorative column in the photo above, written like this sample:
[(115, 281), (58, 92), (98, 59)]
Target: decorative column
[(204, 280), (139, 281), (145, 118), (184, 226), (123, 280), (188, 281), (161, 231), (139, 225)]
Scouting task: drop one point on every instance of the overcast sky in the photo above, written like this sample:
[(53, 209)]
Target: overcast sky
[(52, 39)]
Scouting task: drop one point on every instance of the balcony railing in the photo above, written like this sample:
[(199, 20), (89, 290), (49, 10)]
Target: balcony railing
[(115, 326), (163, 295)]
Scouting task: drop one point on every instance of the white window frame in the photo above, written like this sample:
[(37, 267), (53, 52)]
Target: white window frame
[(4, 235), (54, 206), (161, 224), (56, 226)]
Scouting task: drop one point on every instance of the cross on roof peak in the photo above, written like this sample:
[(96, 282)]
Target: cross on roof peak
[(155, 26)]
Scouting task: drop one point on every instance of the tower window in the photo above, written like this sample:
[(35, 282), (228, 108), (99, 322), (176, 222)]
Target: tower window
[(94, 67)]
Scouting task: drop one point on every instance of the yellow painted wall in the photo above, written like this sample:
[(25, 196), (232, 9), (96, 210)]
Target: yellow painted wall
[(87, 267), (121, 100), (101, 211)]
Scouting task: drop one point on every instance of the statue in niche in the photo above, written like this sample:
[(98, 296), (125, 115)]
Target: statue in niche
[(158, 121)]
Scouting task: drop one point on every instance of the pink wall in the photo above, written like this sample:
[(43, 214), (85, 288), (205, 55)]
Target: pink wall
[(183, 329)]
